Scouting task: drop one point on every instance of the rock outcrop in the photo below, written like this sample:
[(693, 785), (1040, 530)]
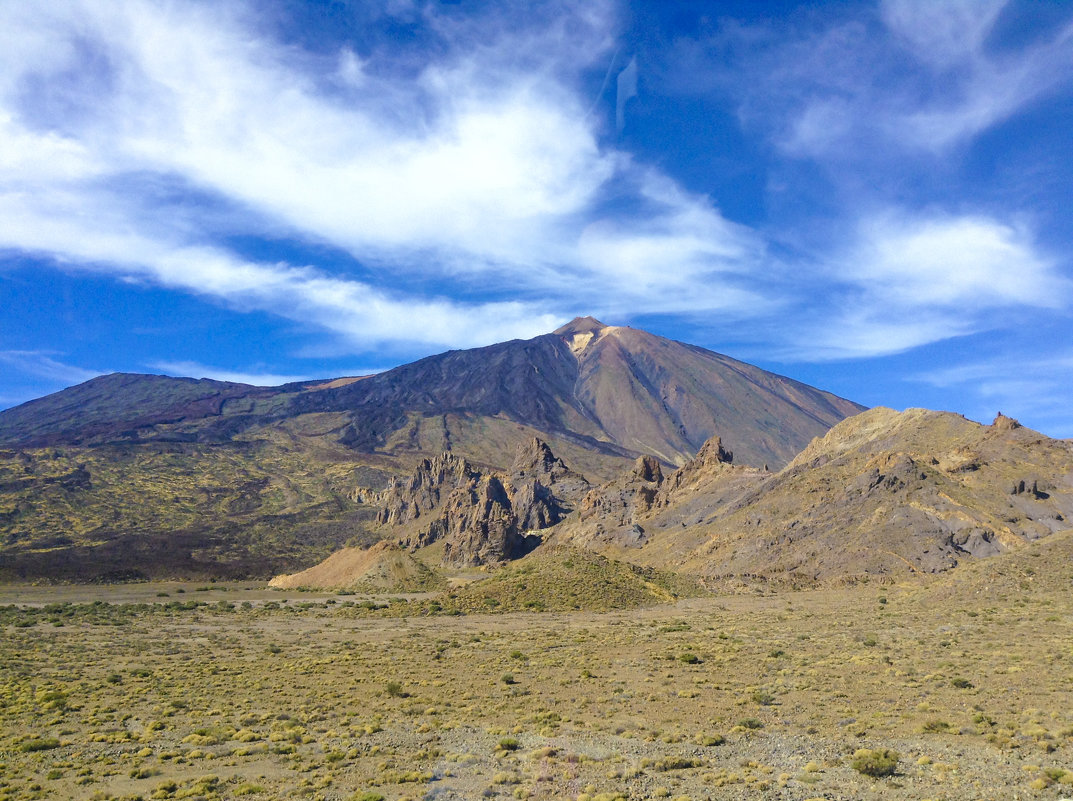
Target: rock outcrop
[(1004, 423), (419, 493), (624, 512), (711, 459), (610, 512), (482, 517), (478, 525), (543, 490)]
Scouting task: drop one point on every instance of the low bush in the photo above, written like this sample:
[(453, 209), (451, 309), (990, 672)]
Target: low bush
[(39, 744), (875, 763)]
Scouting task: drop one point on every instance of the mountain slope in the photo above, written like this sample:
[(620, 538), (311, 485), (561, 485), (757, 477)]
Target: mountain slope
[(661, 397), (611, 389), (166, 510), (115, 406), (154, 476)]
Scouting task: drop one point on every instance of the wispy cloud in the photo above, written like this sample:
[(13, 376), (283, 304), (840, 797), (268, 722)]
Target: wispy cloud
[(944, 33), (683, 256), (140, 140), (864, 109), (1034, 386), (257, 379), (51, 225), (45, 365), (950, 40), (914, 76)]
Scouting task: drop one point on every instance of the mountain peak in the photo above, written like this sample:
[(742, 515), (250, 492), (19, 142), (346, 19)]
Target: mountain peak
[(580, 325), (581, 332)]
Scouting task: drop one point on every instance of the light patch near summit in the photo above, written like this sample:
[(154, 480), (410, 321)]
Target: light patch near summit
[(579, 342)]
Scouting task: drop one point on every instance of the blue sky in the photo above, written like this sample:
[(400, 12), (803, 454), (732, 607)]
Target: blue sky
[(870, 197)]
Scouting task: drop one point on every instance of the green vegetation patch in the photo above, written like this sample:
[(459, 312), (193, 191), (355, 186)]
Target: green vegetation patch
[(566, 580)]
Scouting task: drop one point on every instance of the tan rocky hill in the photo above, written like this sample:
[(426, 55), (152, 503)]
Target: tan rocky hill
[(882, 494), (383, 567), (565, 579)]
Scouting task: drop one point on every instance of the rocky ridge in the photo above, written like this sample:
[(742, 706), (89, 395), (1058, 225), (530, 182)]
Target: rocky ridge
[(889, 493), (882, 494)]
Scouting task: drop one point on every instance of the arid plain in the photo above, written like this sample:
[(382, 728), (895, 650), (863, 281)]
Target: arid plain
[(231, 690)]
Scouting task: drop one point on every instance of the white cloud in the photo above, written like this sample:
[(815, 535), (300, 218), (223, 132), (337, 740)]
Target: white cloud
[(466, 159), (922, 81), (969, 262), (821, 124), (877, 99), (58, 225), (682, 257), (910, 280), (481, 170), (942, 33), (853, 332), (351, 68), (992, 90), (1055, 364), (28, 158)]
